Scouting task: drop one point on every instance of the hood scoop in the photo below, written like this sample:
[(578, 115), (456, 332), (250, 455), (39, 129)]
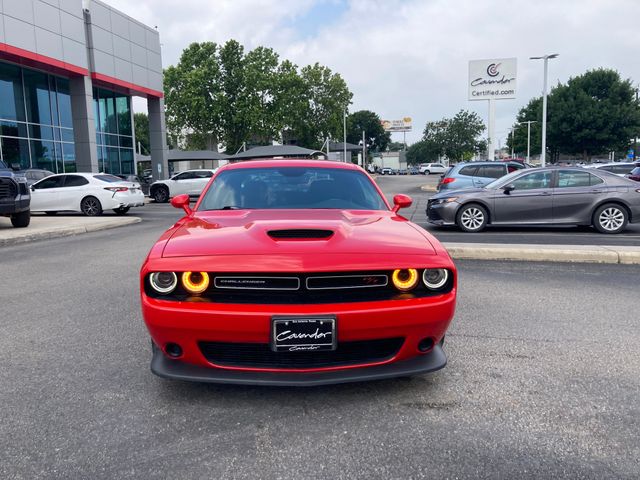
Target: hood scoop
[(300, 234)]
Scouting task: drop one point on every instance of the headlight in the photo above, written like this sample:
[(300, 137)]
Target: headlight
[(163, 282), (446, 200), (435, 278), (405, 279), (195, 282)]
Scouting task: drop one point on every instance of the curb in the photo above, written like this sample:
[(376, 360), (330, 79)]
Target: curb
[(57, 232), (545, 253)]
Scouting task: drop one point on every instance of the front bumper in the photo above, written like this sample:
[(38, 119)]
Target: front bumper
[(176, 370), (442, 213)]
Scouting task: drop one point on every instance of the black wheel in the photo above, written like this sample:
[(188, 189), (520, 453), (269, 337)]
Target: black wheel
[(472, 218), (21, 220), (161, 195), (51, 213), (91, 206), (610, 218), (427, 172), (121, 210)]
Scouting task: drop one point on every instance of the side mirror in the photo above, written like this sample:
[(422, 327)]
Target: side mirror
[(182, 201), (33, 189), (509, 188), (15, 166), (401, 201)]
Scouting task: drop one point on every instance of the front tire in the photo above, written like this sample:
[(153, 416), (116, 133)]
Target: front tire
[(610, 218), (21, 220), (121, 210), (91, 206), (472, 218), (161, 195), (427, 172)]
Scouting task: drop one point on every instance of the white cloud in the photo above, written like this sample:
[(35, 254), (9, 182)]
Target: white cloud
[(410, 57)]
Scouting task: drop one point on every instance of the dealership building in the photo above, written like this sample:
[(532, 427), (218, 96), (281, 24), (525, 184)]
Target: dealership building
[(68, 72)]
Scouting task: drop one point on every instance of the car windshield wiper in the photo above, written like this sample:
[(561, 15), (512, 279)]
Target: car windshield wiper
[(226, 207)]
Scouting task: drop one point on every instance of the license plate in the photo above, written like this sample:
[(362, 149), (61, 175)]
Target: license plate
[(303, 334)]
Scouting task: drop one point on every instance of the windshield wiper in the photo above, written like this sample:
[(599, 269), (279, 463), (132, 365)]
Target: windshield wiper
[(226, 207)]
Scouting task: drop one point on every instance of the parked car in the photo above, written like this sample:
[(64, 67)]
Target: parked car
[(413, 171), (14, 195), (618, 168), (89, 193), (387, 171), (542, 196), (403, 171), (34, 174), (141, 182), (429, 168), (190, 182), (273, 279), (475, 174), (635, 174)]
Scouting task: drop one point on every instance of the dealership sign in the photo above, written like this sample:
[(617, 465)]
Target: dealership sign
[(403, 125), (492, 79)]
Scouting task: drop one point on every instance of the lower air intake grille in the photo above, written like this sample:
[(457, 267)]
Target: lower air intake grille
[(260, 355)]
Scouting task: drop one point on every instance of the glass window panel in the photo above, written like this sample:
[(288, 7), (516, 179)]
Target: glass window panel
[(533, 181), (75, 181), (11, 99), (59, 166), (113, 160), (111, 140), (124, 115), (568, 179), (126, 142), (41, 131), (112, 120), (126, 161), (50, 182), (54, 100), (102, 107), (56, 134), (69, 157), (102, 157), (15, 150), (64, 103), (13, 129), (67, 134), (43, 155), (36, 87), (96, 111)]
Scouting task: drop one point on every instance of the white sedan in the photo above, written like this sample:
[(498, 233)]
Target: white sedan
[(191, 182), (89, 193)]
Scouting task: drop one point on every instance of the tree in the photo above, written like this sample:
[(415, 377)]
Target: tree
[(593, 113), (531, 112), (422, 152), (141, 125), (193, 94), (457, 137), (375, 136)]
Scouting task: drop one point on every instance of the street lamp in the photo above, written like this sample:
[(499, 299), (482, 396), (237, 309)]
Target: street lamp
[(543, 155), (344, 144)]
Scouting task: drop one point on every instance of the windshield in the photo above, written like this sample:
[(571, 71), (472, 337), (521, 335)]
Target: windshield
[(292, 188), (503, 180)]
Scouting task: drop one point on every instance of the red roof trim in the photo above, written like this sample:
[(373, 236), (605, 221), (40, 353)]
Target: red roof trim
[(32, 59), (133, 88)]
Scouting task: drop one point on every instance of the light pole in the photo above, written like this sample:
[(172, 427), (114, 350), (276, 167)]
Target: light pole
[(543, 154), (344, 141)]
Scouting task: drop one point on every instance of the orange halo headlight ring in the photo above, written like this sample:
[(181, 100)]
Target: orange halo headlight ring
[(405, 279), (195, 282)]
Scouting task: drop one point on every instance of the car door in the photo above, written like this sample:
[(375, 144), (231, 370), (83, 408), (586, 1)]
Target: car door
[(182, 183), (574, 194), (45, 194), (438, 168), (201, 179), (529, 202), (488, 173), (73, 191)]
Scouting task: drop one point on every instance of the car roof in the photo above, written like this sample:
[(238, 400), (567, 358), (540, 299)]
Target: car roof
[(610, 164), (291, 162)]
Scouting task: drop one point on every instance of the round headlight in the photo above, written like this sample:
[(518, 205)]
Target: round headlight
[(163, 282), (435, 278), (195, 282), (405, 279)]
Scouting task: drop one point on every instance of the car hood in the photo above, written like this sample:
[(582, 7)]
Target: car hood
[(453, 193), (247, 232)]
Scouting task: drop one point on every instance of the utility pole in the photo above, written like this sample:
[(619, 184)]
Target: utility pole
[(344, 144), (364, 150), (543, 154)]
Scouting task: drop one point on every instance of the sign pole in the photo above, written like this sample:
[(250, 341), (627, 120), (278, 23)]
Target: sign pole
[(528, 140), (492, 121)]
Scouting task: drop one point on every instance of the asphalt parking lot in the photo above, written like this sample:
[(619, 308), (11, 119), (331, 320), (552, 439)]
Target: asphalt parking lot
[(542, 382)]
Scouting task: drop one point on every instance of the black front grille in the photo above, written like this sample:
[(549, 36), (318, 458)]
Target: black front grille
[(7, 188), (300, 233), (260, 355)]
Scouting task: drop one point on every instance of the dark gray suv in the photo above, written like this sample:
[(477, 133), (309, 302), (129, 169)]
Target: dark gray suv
[(15, 197)]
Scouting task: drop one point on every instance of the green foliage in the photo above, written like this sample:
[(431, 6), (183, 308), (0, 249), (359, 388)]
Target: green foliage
[(224, 95), (531, 112), (422, 152), (457, 137), (141, 125), (592, 114), (375, 136)]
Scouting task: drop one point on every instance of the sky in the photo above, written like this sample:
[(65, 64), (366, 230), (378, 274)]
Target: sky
[(409, 58)]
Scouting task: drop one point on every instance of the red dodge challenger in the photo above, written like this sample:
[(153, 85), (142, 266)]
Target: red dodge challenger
[(296, 272)]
